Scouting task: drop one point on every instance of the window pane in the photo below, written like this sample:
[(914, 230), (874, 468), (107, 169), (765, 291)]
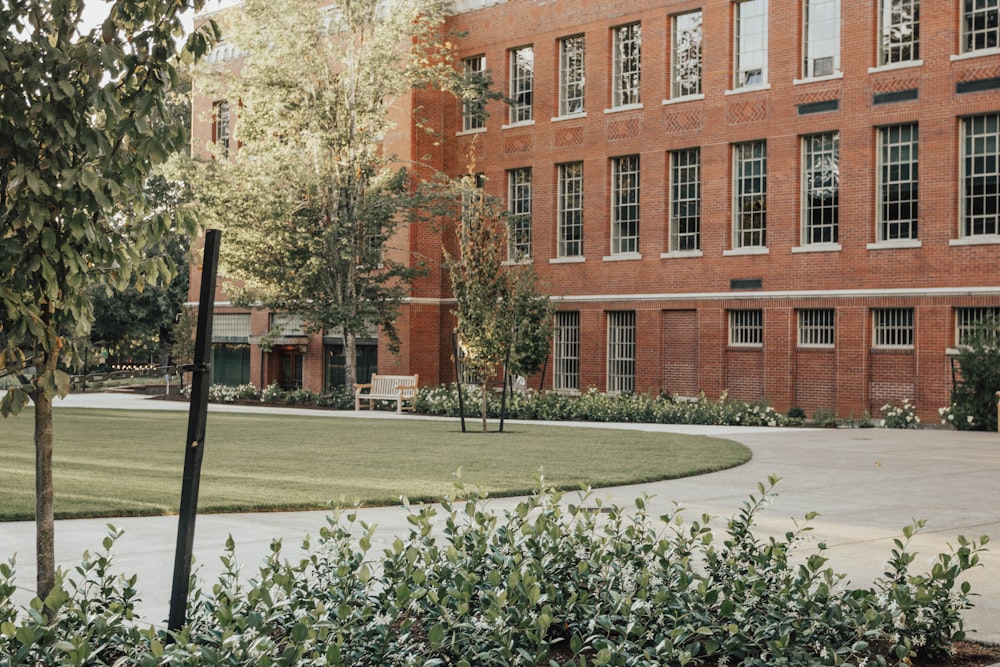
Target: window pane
[(816, 328), (687, 55), (900, 31), (685, 200), (746, 328), (821, 188), (627, 62), (822, 56), (981, 176), (625, 205), (519, 211), (571, 209), (522, 72), (474, 110), (897, 188), (893, 327), (750, 206), (571, 75), (980, 25), (751, 43)]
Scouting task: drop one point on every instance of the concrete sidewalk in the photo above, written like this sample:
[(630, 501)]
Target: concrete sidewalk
[(866, 484)]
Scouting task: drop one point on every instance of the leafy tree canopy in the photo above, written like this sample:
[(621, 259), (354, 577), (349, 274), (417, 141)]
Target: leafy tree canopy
[(311, 199)]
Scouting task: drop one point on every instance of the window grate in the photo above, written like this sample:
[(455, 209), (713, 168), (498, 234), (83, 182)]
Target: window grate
[(816, 327), (566, 351), (746, 328), (621, 351), (893, 328)]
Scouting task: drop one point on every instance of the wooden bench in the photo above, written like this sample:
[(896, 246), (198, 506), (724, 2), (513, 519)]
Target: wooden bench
[(398, 388)]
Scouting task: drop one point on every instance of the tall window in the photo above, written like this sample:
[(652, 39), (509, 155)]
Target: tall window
[(750, 190), (981, 176), (625, 205), (893, 328), (686, 63), (980, 25), (746, 328), (900, 31), (474, 109), (626, 46), (519, 209), (220, 128), (522, 78), (751, 43), (566, 351), (816, 327), (821, 188), (897, 182), (822, 57), (972, 321), (621, 351), (571, 75), (685, 200), (571, 209)]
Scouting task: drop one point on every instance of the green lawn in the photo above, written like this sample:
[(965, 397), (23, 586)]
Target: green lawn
[(122, 462)]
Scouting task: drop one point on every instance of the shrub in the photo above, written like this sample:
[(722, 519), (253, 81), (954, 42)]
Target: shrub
[(556, 578), (273, 393), (595, 406), (973, 398), (901, 415)]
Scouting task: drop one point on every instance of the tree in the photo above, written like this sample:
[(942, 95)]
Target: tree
[(82, 123), (311, 199), (502, 318)]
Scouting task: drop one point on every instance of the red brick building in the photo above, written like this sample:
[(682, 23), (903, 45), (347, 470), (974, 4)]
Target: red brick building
[(795, 201)]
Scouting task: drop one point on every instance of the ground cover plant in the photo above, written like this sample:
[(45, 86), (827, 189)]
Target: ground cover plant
[(558, 580), (122, 462)]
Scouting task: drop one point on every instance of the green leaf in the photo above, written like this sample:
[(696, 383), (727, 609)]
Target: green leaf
[(436, 636)]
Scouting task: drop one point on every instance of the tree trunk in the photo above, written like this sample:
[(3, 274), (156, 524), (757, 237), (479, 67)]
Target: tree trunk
[(44, 512), (483, 409), (350, 359)]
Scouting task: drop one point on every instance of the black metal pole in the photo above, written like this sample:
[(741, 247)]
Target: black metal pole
[(194, 447)]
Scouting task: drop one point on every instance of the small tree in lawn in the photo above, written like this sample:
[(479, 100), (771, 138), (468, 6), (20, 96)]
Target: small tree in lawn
[(501, 316), (83, 121), (311, 199)]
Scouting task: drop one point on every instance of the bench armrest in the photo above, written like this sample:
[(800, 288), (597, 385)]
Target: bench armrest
[(367, 385)]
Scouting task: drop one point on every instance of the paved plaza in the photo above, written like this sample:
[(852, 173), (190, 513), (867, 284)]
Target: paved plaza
[(866, 484)]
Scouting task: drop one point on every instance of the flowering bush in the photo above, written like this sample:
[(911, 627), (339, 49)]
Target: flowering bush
[(902, 415), (599, 407), (557, 579)]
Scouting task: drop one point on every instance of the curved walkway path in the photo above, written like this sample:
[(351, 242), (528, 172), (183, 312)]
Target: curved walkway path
[(866, 484)]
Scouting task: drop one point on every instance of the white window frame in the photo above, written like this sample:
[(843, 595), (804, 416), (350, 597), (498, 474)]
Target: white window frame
[(751, 33), (817, 327), (522, 83), (980, 213), (967, 319), (625, 193), (900, 31), (686, 56), (980, 25), (897, 191), (750, 192), (474, 111), (820, 191), (519, 214), (626, 65), (221, 118), (685, 200), (822, 38), (621, 351), (892, 328), (746, 328), (572, 75), (566, 351), (570, 205)]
